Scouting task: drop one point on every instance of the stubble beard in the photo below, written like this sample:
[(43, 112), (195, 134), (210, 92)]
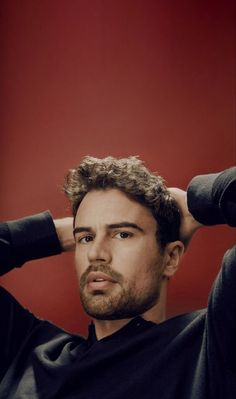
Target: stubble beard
[(121, 302)]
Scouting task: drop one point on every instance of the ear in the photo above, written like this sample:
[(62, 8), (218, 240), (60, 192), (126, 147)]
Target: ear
[(173, 254)]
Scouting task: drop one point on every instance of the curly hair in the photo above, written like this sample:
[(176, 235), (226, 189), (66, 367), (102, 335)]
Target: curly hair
[(130, 176)]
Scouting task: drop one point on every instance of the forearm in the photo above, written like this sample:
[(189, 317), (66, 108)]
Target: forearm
[(211, 198), (27, 239)]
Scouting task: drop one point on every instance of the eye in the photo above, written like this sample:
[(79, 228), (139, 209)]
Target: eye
[(85, 239), (123, 235)]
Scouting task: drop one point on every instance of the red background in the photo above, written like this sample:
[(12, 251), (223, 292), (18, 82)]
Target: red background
[(149, 78)]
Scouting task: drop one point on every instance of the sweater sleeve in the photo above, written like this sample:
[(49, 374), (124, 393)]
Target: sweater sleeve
[(20, 241), (212, 200), (27, 239)]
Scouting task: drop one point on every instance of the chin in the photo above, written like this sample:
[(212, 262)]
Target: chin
[(112, 314)]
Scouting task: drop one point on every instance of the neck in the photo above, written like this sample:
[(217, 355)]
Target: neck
[(156, 314)]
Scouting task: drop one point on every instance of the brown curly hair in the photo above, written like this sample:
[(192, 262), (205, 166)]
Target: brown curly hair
[(130, 176)]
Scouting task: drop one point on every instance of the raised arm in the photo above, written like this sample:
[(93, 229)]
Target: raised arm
[(212, 198), (209, 200), (20, 241), (33, 237)]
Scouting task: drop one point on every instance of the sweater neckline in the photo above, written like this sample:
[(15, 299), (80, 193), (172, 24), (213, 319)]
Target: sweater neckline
[(135, 324)]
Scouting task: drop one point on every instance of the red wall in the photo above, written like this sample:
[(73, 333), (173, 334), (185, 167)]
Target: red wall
[(154, 78)]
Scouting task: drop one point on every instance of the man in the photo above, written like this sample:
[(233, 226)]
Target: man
[(128, 244)]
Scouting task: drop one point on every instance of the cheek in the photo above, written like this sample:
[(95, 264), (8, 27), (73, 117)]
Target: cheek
[(126, 261), (81, 263), (146, 253), (149, 267), (138, 265)]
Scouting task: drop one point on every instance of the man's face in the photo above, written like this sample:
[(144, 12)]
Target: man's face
[(118, 261)]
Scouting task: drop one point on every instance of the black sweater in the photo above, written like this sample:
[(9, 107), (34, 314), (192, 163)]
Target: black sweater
[(189, 356)]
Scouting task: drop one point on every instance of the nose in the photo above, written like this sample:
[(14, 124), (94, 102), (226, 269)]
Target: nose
[(99, 251)]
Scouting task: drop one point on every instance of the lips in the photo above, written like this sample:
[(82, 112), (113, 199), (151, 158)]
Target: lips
[(99, 277)]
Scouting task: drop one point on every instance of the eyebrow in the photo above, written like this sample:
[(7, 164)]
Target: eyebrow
[(110, 227)]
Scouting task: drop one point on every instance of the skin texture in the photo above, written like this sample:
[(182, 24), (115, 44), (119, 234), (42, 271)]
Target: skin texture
[(134, 269), (189, 225), (64, 228)]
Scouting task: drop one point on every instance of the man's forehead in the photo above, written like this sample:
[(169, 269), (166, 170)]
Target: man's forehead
[(111, 206)]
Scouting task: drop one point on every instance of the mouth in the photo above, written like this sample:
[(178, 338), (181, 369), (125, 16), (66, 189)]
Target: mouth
[(99, 280)]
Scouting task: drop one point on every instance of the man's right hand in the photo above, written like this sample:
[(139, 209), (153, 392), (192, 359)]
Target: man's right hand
[(64, 228)]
